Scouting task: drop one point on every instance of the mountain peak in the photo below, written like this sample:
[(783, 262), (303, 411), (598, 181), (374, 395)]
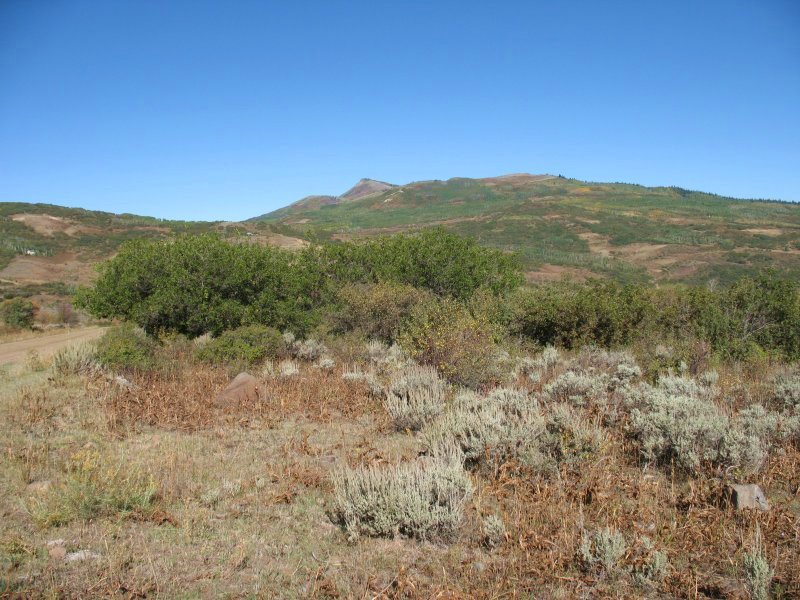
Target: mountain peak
[(365, 187)]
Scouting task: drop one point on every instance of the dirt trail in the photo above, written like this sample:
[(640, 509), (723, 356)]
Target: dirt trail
[(45, 345)]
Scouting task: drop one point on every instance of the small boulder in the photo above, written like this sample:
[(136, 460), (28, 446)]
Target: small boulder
[(243, 388), (81, 555), (749, 495)]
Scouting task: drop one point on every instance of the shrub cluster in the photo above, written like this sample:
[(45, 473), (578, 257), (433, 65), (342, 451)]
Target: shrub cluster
[(504, 424), (444, 296), (377, 310), (245, 345), (434, 259), (198, 284), (571, 315), (127, 348), (751, 316), (17, 313), (414, 397), (691, 431), (461, 346), (423, 499)]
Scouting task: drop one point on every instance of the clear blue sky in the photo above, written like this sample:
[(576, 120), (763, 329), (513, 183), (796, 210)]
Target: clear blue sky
[(229, 109)]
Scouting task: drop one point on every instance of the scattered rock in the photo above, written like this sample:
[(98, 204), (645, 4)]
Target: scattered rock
[(39, 487), (81, 555), (243, 388), (57, 552), (747, 496)]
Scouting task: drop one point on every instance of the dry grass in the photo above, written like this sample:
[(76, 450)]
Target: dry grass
[(185, 400), (244, 494)]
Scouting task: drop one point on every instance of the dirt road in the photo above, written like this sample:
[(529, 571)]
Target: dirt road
[(45, 345)]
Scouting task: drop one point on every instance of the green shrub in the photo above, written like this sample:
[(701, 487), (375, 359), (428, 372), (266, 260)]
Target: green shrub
[(198, 284), (127, 348), (423, 499), (245, 346), (751, 317), (445, 335), (434, 259), (377, 310), (761, 313), (572, 315), (18, 313)]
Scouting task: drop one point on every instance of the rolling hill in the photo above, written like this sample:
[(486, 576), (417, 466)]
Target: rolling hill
[(48, 248), (566, 227), (561, 228)]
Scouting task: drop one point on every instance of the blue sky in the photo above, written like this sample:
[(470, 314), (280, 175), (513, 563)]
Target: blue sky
[(226, 110)]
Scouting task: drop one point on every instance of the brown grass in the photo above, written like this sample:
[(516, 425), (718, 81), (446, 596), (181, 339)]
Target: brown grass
[(185, 400), (243, 493)]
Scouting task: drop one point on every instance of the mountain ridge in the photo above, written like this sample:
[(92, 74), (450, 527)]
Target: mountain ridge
[(568, 227)]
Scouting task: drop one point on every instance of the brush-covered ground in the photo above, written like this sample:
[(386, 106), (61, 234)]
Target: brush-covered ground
[(582, 477), (570, 228)]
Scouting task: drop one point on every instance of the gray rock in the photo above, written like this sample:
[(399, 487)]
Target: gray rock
[(81, 555), (747, 496)]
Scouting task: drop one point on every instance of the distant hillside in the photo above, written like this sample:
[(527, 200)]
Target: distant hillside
[(49, 248), (566, 227), (561, 228)]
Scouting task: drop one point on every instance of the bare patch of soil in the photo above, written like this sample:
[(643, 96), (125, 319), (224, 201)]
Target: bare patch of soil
[(550, 272), (598, 244), (45, 269), (49, 225), (768, 231)]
